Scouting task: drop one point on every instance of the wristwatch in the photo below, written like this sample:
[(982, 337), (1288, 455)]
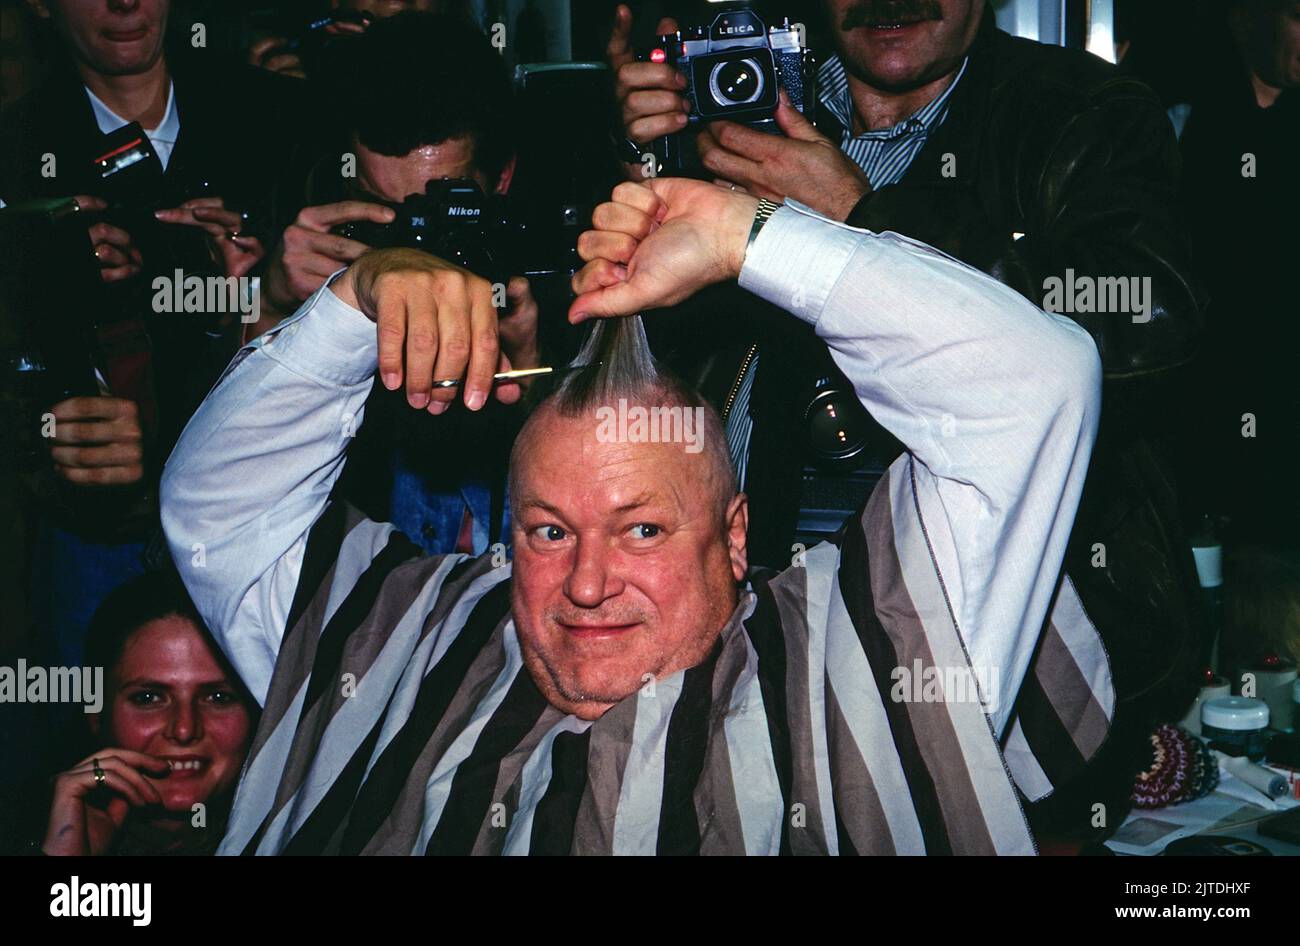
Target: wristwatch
[(765, 210)]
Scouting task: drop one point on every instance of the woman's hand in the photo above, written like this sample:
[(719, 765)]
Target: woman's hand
[(87, 812)]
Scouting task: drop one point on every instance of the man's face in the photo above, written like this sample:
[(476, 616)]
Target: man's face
[(623, 569), (111, 37), (1270, 34), (396, 178), (900, 45)]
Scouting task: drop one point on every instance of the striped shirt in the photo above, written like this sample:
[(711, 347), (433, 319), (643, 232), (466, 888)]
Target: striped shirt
[(884, 157), (890, 693), (886, 154)]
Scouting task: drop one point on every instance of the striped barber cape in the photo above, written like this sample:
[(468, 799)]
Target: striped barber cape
[(400, 718)]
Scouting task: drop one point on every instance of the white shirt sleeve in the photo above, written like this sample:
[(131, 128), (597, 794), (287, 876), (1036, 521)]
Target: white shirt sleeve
[(996, 400), (254, 468)]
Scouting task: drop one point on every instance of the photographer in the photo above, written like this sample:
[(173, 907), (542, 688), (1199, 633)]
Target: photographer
[(215, 135), (1028, 162), (117, 66), (451, 120)]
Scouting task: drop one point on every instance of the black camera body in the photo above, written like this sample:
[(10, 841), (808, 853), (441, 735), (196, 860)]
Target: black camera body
[(130, 179), (128, 167), (454, 220), (734, 67)]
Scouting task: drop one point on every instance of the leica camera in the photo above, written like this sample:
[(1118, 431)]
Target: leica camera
[(734, 66)]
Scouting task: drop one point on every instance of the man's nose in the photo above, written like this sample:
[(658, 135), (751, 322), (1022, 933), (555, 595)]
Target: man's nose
[(186, 724), (123, 6), (592, 579)]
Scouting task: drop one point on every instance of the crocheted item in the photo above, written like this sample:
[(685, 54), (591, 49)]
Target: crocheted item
[(1182, 769)]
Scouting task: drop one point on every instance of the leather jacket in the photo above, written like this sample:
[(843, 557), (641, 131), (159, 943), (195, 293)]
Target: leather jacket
[(1050, 159), (1059, 146), (1058, 161)]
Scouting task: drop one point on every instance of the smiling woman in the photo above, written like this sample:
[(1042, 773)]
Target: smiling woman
[(172, 736)]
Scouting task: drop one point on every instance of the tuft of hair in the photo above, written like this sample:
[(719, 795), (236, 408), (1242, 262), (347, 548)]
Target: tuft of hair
[(615, 363)]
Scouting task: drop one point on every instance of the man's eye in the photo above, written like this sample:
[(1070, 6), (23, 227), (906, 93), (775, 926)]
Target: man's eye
[(645, 530), (146, 698), (223, 697), (549, 533)]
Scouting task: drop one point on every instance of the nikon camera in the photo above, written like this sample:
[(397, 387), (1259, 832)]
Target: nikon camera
[(454, 220), (734, 67)]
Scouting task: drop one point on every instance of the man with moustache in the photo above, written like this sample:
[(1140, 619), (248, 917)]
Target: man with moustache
[(1025, 161)]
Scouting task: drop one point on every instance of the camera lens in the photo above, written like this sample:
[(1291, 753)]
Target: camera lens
[(837, 427), (737, 82)]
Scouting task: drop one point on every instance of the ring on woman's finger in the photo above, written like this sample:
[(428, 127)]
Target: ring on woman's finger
[(99, 773)]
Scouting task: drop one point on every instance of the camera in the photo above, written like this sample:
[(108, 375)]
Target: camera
[(131, 181), (847, 453), (47, 353), (734, 67), (454, 220), (316, 38)]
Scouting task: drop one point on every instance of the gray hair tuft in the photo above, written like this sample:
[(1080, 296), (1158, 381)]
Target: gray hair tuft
[(618, 363)]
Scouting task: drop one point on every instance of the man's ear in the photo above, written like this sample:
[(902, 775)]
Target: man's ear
[(507, 175), (737, 523)]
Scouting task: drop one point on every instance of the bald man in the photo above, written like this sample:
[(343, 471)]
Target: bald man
[(625, 685)]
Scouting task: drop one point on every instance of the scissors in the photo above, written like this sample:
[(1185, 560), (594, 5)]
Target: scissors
[(508, 376)]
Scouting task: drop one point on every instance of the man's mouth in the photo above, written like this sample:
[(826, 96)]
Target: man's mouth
[(592, 632), (127, 36)]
